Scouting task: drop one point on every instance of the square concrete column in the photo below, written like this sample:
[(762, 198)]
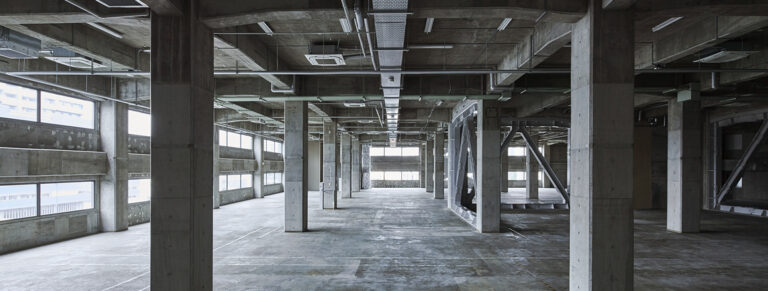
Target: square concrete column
[(258, 176), (113, 191), (216, 171), (451, 167), (346, 165), (545, 182), (422, 166), (365, 164), (504, 169), (182, 151), (296, 158), (488, 164), (429, 170), (602, 80), (439, 166), (684, 184), (531, 175), (355, 152), (330, 159)]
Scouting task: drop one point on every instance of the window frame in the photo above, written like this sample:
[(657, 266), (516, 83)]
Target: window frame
[(39, 119), (129, 190), (38, 195), (143, 113)]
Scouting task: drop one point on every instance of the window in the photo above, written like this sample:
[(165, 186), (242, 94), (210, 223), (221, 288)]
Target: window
[(18, 103), (395, 176), (222, 137), (392, 176), (222, 182), (392, 152), (377, 151), (235, 140), (395, 152), (518, 175), (516, 151), (139, 123), (63, 110), (377, 175), (235, 181), (139, 190), (410, 152), (273, 178), (18, 201), (246, 180), (411, 175), (246, 142), (65, 197), (273, 146)]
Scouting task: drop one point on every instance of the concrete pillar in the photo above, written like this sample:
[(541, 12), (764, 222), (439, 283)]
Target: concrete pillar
[(531, 175), (182, 151), (258, 176), (355, 152), (365, 164), (216, 172), (430, 166), (488, 164), (295, 179), (451, 166), (330, 158), (505, 169), (422, 166), (113, 192), (684, 185), (545, 182), (439, 166), (346, 165), (602, 66)]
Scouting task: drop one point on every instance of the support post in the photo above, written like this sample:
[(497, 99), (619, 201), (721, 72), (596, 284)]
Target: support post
[(182, 151), (422, 166), (546, 183), (346, 165), (505, 169), (430, 166), (452, 192), (602, 80), (531, 175), (684, 180), (296, 158), (330, 158), (439, 166), (487, 167), (365, 165), (216, 172), (114, 185), (355, 164), (258, 177)]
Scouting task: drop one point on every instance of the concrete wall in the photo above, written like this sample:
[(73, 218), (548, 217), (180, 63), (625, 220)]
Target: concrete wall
[(139, 212), (34, 231), (237, 195), (25, 134), (395, 164), (272, 162)]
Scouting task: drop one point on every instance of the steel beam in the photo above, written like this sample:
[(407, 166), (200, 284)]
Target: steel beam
[(507, 139), (745, 157), (544, 164)]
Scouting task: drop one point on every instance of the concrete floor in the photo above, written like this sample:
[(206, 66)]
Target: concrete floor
[(517, 196), (403, 239)]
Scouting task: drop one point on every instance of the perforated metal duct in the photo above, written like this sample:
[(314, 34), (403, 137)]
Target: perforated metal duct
[(389, 18)]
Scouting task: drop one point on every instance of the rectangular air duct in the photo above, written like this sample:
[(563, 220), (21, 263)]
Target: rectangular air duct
[(725, 57), (71, 59), (15, 45)]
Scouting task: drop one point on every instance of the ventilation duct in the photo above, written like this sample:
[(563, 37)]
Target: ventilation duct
[(71, 59), (15, 45), (389, 20)]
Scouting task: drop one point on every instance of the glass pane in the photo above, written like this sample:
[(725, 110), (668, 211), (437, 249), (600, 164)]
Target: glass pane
[(377, 175), (270, 146), (65, 197), (139, 123), (233, 182), (392, 176), (516, 151), (222, 138), (18, 201), (377, 151), (233, 140), (279, 147), (392, 152), (58, 109), (270, 178), (139, 190), (410, 152), (222, 182), (18, 103), (411, 176), (246, 180), (278, 178), (246, 141)]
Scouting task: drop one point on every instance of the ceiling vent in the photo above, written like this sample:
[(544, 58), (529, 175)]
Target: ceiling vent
[(122, 3), (725, 57), (325, 55), (71, 59), (14, 45)]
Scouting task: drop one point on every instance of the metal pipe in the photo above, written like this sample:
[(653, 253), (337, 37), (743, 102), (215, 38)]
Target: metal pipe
[(95, 96), (370, 45), (358, 24)]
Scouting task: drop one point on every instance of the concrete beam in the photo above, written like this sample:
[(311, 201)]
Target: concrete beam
[(251, 53), (547, 38), (618, 4), (59, 11)]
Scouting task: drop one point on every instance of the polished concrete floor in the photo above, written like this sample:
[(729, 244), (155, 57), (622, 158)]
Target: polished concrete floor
[(401, 239)]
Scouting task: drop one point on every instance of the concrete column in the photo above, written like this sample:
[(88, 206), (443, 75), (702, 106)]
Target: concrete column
[(258, 176), (684, 185), (430, 166), (422, 166), (295, 180), (488, 165), (355, 152), (365, 164), (531, 175), (330, 158), (182, 151), (505, 169), (113, 192), (439, 166), (545, 182), (346, 165), (216, 172), (451, 166), (602, 66)]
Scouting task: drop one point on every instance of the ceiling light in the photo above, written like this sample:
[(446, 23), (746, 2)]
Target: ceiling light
[(428, 25), (266, 28), (666, 23), (345, 25), (725, 57), (430, 46), (354, 104), (105, 29), (504, 24)]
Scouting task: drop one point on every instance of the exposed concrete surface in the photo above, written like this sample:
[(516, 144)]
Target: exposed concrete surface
[(385, 243)]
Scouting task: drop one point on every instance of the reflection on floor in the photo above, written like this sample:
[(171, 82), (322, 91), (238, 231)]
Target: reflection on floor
[(401, 239)]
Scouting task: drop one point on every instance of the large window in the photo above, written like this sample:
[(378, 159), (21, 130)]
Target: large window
[(518, 175), (273, 178), (19, 201), (520, 151), (58, 109), (139, 123), (273, 146), (395, 175), (139, 190), (22, 103), (394, 152), (235, 140), (235, 181)]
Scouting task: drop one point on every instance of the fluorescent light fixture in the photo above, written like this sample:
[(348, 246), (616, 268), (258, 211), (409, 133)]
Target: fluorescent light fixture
[(354, 104), (428, 25), (725, 57), (666, 23), (265, 27), (504, 24), (105, 29), (345, 25), (430, 46)]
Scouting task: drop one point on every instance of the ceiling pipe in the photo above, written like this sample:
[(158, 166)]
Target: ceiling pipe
[(370, 45)]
